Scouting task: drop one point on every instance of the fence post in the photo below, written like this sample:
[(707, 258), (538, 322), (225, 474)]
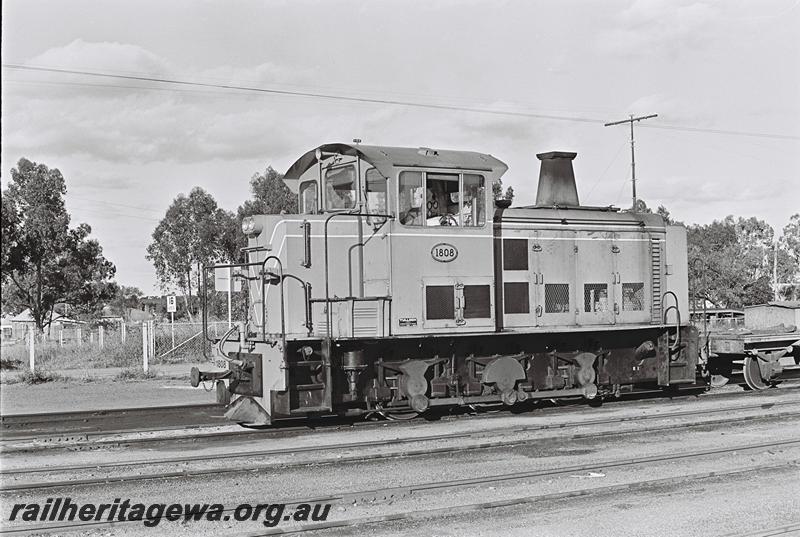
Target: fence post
[(30, 349), (91, 337), (79, 335), (61, 337), (101, 335), (145, 346), (123, 331), (151, 332)]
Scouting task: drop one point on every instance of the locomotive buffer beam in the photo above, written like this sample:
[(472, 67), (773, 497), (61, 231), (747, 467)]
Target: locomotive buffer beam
[(196, 376)]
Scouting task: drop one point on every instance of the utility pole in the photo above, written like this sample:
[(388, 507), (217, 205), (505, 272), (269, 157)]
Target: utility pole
[(775, 287), (633, 159)]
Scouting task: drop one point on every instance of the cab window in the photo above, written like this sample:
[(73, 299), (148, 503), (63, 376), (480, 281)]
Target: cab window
[(340, 188), (411, 198), (473, 211), (308, 197), (442, 199), (375, 192)]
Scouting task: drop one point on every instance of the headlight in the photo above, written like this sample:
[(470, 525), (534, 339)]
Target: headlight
[(250, 226)]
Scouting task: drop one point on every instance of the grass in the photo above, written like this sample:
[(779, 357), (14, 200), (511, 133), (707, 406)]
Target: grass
[(39, 376), (85, 353), (133, 373)]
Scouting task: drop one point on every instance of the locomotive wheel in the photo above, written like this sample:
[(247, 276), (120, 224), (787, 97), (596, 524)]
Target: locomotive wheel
[(752, 374)]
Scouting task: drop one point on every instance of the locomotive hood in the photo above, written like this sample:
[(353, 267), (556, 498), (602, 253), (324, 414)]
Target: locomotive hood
[(386, 158)]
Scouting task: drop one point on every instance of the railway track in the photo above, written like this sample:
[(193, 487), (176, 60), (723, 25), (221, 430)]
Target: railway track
[(92, 436), (390, 493), (783, 531), (79, 424), (483, 440)]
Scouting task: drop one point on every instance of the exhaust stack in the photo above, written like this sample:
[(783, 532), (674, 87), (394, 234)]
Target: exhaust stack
[(557, 180)]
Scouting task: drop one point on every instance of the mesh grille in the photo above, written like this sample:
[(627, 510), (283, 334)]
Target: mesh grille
[(633, 296), (476, 302), (595, 297), (439, 302), (556, 297), (515, 254), (516, 299)]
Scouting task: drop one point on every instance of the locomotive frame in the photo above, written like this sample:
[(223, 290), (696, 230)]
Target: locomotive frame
[(430, 294)]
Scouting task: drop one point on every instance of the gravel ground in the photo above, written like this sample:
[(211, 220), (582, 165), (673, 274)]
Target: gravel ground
[(714, 506), (99, 393)]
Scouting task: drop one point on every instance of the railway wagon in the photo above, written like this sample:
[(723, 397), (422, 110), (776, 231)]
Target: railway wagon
[(403, 285), (759, 348)]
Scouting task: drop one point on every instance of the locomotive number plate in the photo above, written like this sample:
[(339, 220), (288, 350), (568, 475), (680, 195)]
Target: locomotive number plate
[(444, 253)]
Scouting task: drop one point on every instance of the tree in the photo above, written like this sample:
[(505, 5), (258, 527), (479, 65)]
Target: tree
[(790, 248), (730, 261), (497, 191), (126, 298), (270, 196), (44, 261), (194, 232), (790, 241)]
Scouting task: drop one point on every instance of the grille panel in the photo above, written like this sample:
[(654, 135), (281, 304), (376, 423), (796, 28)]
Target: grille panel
[(556, 298), (633, 296), (515, 254), (516, 297), (477, 304), (439, 302), (595, 297)]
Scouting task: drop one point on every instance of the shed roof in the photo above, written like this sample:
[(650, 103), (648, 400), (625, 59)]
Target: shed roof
[(788, 304), (386, 158)]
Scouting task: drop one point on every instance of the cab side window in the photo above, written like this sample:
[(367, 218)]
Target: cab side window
[(411, 198), (473, 212), (340, 188), (375, 192), (442, 199), (308, 197)]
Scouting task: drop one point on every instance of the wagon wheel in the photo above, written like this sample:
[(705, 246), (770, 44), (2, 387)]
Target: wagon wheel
[(752, 374), (398, 414)]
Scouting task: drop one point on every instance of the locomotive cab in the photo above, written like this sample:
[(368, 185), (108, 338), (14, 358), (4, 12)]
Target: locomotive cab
[(400, 286)]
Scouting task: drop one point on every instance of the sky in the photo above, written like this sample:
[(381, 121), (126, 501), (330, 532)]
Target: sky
[(723, 77)]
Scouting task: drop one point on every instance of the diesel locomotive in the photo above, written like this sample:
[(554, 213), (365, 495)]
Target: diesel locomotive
[(402, 284)]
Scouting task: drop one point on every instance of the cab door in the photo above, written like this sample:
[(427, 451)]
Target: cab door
[(554, 260), (631, 255), (595, 277)]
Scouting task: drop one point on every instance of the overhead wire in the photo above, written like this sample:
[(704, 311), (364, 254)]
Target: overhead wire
[(310, 94), (386, 101)]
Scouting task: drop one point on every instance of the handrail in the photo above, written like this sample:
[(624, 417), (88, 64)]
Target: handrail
[(328, 319), (261, 264), (307, 294), (204, 301), (677, 343)]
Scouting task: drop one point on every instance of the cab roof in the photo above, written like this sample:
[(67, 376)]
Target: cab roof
[(385, 159)]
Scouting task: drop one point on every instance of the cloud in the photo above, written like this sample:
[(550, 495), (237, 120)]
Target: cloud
[(118, 120), (103, 56), (660, 27)]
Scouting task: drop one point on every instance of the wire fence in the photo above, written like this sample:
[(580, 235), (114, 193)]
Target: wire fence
[(132, 345)]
